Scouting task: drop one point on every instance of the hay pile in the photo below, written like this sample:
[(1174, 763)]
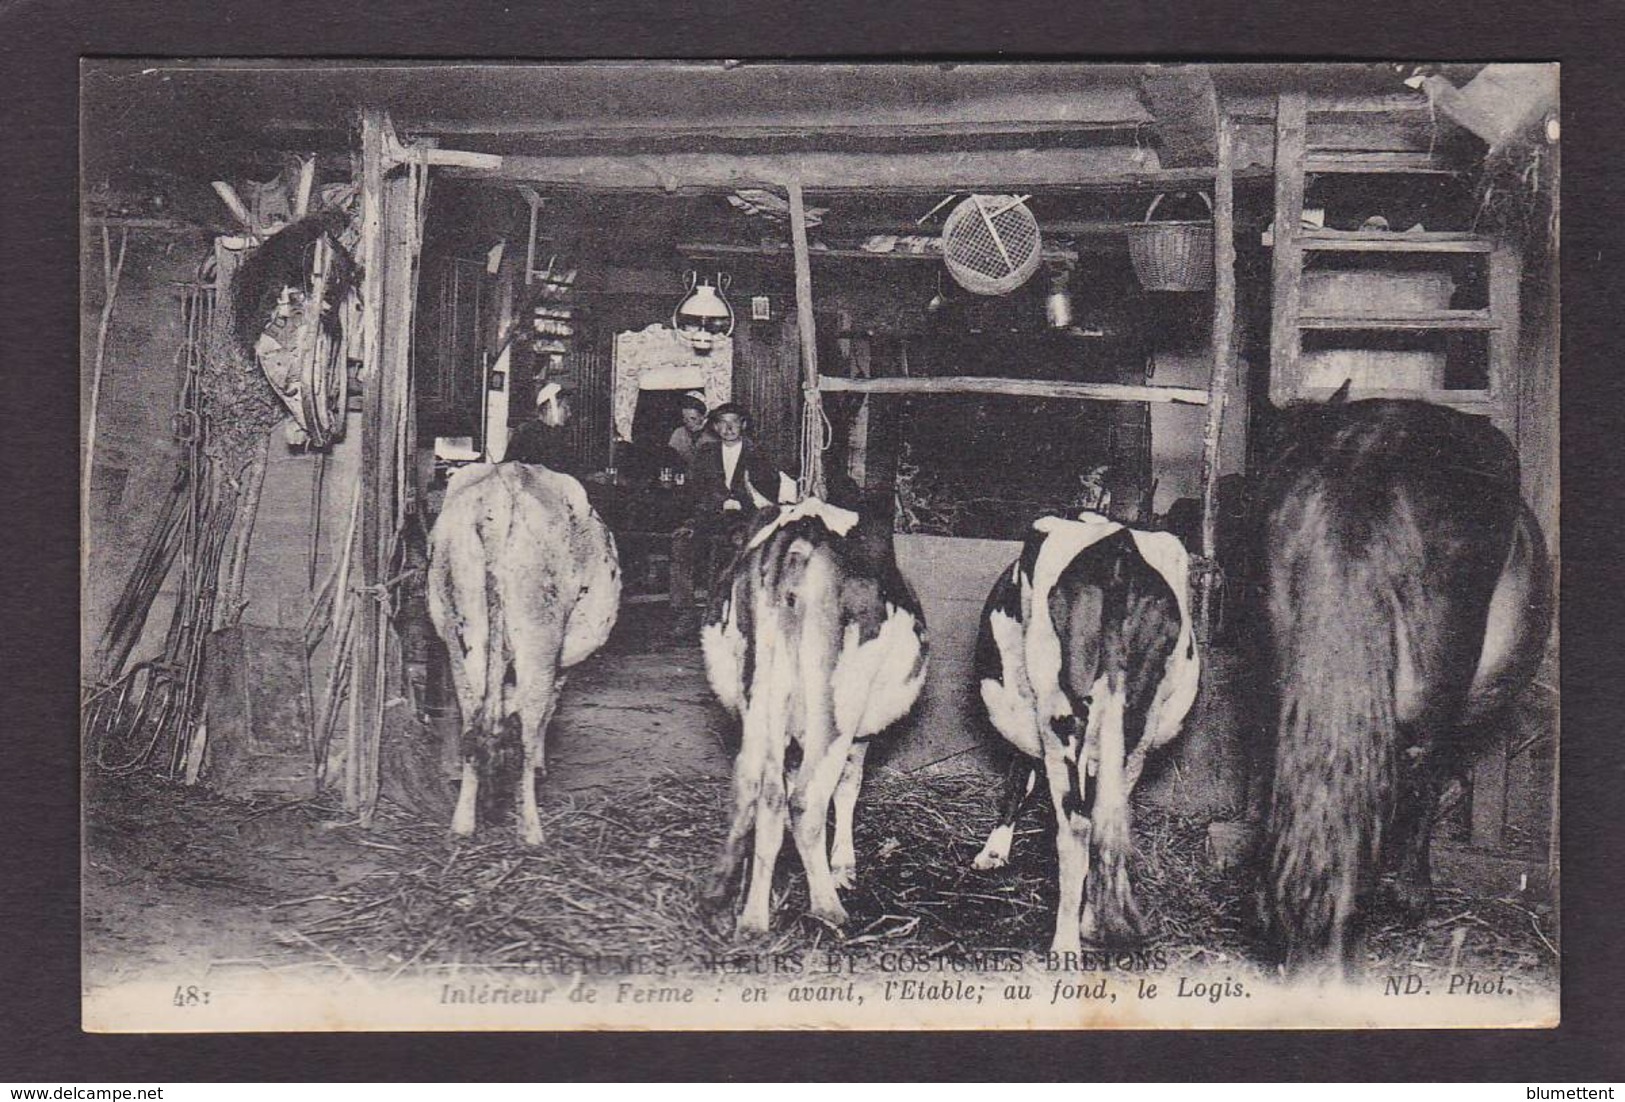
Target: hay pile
[(623, 877)]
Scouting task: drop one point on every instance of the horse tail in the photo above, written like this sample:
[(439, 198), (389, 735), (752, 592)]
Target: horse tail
[(1336, 654)]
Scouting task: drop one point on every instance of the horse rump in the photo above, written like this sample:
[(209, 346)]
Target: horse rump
[(1394, 537)]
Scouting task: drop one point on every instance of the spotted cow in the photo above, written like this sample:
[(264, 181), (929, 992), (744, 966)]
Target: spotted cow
[(816, 643), (1086, 662), (523, 584)]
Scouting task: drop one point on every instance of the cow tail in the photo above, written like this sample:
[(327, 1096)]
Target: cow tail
[(1332, 610), (750, 761), (494, 530)]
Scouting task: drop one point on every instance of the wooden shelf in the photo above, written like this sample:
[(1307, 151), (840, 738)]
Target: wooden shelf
[(1418, 163), (698, 249), (1432, 319), (1022, 388), (1364, 241)]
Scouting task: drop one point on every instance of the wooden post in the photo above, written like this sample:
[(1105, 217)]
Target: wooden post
[(1505, 267), (1207, 580), (391, 252), (812, 467), (1291, 138), (1224, 331), (360, 774)]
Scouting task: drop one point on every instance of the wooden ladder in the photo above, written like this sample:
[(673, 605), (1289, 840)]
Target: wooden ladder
[(1295, 160)]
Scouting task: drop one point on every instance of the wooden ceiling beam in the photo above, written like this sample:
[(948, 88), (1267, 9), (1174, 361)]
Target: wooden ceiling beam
[(1186, 107), (1002, 170)]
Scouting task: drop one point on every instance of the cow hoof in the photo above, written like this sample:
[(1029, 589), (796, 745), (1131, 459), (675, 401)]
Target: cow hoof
[(1066, 944), (996, 850), (990, 859), (462, 828), (833, 916), (751, 924), (845, 876)]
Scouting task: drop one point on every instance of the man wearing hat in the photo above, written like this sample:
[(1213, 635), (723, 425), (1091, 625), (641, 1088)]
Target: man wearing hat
[(721, 476), (545, 440), (687, 437)]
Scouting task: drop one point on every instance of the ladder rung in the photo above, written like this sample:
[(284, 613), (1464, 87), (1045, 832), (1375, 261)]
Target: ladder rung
[(1361, 241), (1469, 401), (1429, 319)]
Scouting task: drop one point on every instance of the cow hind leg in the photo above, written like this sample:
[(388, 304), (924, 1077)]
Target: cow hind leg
[(770, 817), (1019, 781), (1072, 829), (468, 675), (843, 857), (815, 786), (724, 879), (468, 794), (535, 715), (535, 699)]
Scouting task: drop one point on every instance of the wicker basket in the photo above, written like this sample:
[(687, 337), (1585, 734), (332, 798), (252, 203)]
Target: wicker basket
[(1172, 256)]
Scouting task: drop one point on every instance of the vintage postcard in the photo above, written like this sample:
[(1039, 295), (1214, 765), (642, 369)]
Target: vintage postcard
[(750, 546)]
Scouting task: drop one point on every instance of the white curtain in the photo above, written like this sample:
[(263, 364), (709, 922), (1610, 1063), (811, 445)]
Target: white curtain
[(656, 358)]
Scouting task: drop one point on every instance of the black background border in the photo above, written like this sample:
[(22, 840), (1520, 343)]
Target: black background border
[(40, 1040)]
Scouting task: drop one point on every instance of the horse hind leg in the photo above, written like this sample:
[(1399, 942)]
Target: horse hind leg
[(1411, 835)]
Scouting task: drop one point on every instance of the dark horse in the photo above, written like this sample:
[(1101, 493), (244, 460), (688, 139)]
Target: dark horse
[(1408, 601)]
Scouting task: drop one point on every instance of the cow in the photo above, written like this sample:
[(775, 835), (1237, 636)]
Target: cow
[(1086, 662), (813, 639), (523, 584)]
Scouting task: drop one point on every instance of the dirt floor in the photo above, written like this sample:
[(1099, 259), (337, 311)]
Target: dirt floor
[(179, 881)]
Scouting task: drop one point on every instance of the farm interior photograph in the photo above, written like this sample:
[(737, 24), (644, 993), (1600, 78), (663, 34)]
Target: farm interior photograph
[(520, 501)]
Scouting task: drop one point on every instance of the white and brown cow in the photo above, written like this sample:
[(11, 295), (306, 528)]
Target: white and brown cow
[(523, 584), (1086, 662), (815, 640)]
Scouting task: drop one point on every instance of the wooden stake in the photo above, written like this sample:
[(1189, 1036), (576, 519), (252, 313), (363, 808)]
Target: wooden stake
[(112, 272), (307, 180), (229, 196)]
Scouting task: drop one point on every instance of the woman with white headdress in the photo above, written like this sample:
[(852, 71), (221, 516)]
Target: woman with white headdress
[(544, 440)]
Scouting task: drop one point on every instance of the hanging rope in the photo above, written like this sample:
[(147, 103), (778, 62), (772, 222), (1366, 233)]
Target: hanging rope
[(817, 433), (112, 272)]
